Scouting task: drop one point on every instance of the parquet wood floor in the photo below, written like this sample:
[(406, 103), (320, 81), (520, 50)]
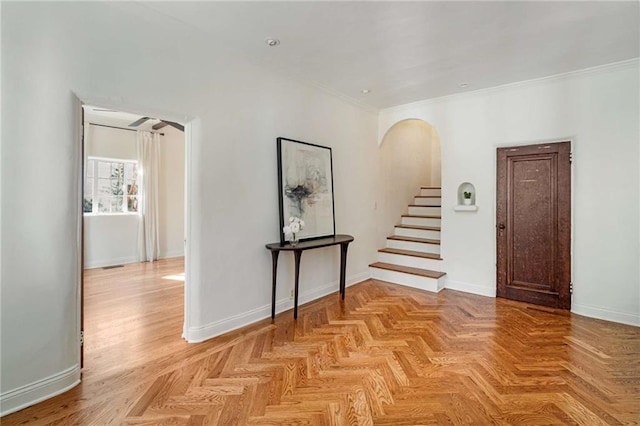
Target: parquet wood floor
[(388, 355)]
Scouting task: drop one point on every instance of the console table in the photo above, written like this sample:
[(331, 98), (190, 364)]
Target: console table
[(276, 248)]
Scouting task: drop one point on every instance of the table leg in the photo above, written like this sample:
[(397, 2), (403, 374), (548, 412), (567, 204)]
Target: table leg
[(297, 255), (274, 260), (343, 268)]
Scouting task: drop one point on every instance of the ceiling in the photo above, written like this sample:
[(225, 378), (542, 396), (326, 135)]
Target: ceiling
[(109, 117), (410, 51)]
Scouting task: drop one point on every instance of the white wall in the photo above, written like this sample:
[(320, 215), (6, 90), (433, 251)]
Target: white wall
[(240, 111), (108, 142), (598, 110), (171, 193), (110, 239), (113, 239)]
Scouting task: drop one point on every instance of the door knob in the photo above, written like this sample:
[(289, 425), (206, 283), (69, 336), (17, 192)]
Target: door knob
[(501, 226)]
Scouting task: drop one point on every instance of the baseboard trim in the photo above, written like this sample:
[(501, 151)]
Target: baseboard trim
[(171, 254), (357, 279), (470, 288), (126, 260), (216, 328), (28, 395), (110, 262), (606, 314)]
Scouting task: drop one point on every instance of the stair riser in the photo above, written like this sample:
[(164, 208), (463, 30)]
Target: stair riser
[(425, 211), (427, 201), (430, 191), (412, 261), (410, 245), (417, 233), (420, 221), (409, 280)]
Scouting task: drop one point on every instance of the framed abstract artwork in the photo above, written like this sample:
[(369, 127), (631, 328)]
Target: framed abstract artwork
[(305, 182)]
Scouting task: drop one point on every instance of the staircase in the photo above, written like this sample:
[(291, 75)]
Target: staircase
[(412, 256)]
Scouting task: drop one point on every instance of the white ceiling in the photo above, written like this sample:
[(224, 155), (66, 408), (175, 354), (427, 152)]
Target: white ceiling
[(109, 117), (410, 51)]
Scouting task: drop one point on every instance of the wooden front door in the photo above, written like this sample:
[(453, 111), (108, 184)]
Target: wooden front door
[(534, 224)]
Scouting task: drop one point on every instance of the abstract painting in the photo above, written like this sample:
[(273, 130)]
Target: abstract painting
[(305, 178)]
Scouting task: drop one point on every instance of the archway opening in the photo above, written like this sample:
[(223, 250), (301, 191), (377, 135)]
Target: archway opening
[(410, 158)]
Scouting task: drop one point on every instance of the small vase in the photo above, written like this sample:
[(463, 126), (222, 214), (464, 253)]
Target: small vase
[(294, 240), (467, 201)]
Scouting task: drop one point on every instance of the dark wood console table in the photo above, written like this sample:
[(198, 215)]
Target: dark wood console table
[(297, 250)]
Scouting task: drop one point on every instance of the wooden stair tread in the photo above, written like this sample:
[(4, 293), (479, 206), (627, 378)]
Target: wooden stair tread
[(411, 253), (420, 205), (408, 270), (424, 228), (427, 196), (430, 187), (414, 239), (422, 216)]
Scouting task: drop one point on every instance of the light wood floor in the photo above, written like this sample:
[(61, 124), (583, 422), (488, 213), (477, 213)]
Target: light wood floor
[(389, 355)]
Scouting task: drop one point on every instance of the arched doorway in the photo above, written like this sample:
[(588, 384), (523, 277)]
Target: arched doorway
[(412, 207), (409, 159)]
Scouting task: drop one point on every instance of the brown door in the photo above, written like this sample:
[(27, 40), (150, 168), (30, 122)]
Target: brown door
[(534, 224)]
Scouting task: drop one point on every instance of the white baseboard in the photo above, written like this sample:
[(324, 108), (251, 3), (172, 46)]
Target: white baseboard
[(606, 314), (171, 254), (470, 288), (28, 395), (92, 264), (216, 328), (584, 310), (355, 279)]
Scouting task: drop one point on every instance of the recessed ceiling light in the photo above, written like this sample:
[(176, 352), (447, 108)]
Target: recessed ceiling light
[(463, 85), (272, 42), (365, 91)]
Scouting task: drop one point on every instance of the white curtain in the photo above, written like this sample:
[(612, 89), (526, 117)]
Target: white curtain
[(148, 154)]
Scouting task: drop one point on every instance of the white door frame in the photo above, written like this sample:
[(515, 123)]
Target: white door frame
[(190, 132)]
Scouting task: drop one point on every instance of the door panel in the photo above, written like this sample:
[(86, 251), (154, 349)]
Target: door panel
[(532, 261), (534, 224)]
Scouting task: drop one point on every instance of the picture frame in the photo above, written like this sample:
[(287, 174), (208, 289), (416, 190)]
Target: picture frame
[(305, 185)]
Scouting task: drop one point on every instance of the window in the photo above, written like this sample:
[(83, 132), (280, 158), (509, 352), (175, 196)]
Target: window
[(110, 186)]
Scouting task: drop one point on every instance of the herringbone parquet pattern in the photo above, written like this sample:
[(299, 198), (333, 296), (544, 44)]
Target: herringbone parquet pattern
[(388, 355)]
